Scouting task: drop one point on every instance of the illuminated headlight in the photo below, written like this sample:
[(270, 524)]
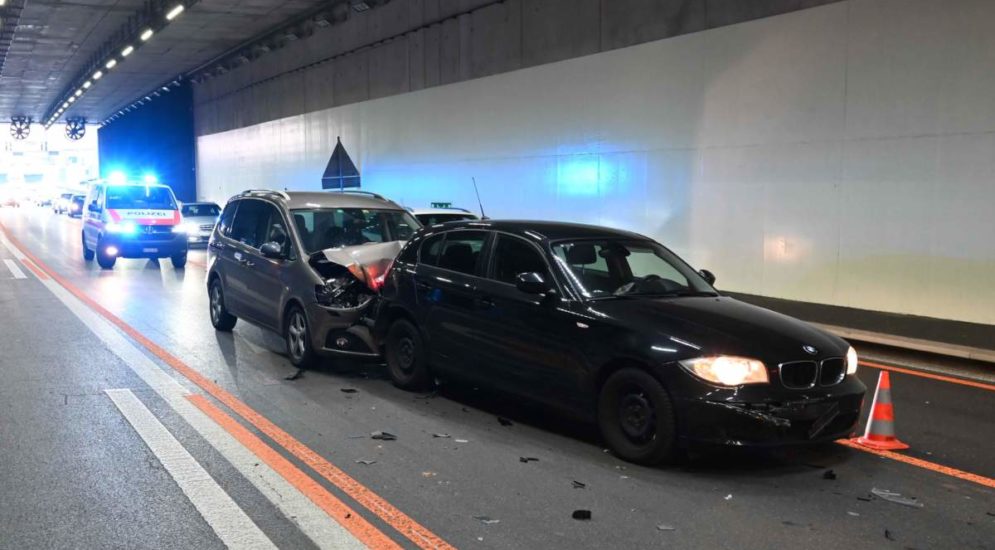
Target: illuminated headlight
[(122, 228), (851, 361), (185, 228), (726, 370)]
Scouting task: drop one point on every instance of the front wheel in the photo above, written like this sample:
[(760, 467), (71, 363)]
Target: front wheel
[(179, 260), (407, 360), (298, 336), (105, 260), (220, 318), (87, 253), (636, 417)]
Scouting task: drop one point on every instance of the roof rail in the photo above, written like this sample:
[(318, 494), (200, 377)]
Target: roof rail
[(247, 192), (358, 192)]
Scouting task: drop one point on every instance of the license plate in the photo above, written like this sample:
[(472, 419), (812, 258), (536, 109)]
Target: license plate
[(150, 250)]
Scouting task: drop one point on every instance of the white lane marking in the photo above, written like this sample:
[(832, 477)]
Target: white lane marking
[(229, 522), (295, 506), (14, 269)]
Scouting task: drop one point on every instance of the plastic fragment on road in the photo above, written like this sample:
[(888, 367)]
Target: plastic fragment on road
[(383, 436), (854, 514), (579, 485), (429, 474), (441, 436), (664, 527), (527, 459), (366, 462), (829, 474), (296, 375), (897, 498), (582, 515), (486, 520), (728, 497), (461, 440), (889, 535), (348, 390), (504, 421)]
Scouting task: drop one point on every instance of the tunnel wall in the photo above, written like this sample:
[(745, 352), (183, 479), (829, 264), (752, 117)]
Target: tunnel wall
[(842, 155), (157, 138)]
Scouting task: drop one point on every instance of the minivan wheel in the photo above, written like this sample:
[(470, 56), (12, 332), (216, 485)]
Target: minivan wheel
[(104, 260), (298, 337), (636, 417), (220, 318), (407, 362), (87, 253)]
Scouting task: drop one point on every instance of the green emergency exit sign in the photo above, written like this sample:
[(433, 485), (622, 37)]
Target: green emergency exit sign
[(442, 205)]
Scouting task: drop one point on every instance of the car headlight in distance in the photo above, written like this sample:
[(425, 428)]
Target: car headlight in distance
[(186, 227), (122, 228), (851, 361), (727, 370)]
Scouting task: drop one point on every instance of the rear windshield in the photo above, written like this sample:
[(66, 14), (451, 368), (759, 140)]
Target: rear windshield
[(432, 219), (337, 227), (140, 196), (200, 210)]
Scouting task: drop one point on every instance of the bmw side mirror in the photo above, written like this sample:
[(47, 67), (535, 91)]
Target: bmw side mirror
[(272, 250), (531, 283), (708, 276)]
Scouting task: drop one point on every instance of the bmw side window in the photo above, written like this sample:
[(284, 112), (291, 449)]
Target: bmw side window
[(224, 224), (431, 249), (461, 251), (513, 256)]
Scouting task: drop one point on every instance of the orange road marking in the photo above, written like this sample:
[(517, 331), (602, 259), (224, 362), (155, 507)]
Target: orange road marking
[(925, 464), (335, 508), (34, 269), (922, 374), (397, 519)]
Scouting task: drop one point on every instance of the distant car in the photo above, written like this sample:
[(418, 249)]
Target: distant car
[(10, 201), (75, 208), (61, 203), (305, 265), (198, 220), (432, 216), (613, 327)]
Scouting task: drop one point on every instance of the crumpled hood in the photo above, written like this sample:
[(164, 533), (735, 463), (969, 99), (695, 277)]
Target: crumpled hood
[(366, 262), (723, 325)]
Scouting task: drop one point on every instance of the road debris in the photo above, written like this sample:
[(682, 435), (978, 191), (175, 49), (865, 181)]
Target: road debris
[(582, 515), (296, 375), (579, 485), (441, 436), (865, 499), (527, 459), (366, 462), (854, 514), (356, 436), (829, 474), (889, 535), (897, 498), (728, 497), (384, 436), (486, 520), (504, 421), (664, 527), (429, 474), (461, 440), (349, 390)]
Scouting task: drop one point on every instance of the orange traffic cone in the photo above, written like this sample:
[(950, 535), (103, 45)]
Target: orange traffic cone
[(880, 433)]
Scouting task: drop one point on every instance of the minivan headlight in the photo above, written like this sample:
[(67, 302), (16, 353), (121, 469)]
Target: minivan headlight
[(851, 361), (727, 370)]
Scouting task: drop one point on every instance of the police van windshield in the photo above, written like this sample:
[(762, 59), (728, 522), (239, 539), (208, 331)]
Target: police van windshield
[(140, 196)]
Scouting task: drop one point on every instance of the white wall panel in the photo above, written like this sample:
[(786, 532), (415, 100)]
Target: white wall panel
[(841, 155)]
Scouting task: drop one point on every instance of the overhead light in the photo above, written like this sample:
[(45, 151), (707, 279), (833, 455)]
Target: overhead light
[(87, 84), (171, 14), (71, 99), (127, 50), (110, 63), (97, 75), (165, 88), (65, 105), (146, 34), (79, 92)]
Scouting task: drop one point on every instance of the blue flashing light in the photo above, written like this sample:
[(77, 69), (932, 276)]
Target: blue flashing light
[(151, 178), (117, 177)]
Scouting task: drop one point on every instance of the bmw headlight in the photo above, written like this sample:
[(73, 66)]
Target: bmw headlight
[(122, 228), (851, 361), (727, 370)]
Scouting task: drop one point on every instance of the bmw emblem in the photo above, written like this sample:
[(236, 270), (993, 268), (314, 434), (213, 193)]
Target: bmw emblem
[(810, 350)]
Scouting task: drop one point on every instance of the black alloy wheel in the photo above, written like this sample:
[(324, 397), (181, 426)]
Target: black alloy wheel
[(407, 360), (636, 417)]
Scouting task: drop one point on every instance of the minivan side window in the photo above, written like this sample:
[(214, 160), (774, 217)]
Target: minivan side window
[(513, 256), (461, 251), (250, 223), (227, 216)]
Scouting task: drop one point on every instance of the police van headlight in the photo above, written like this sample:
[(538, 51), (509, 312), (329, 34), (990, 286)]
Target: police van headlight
[(122, 228)]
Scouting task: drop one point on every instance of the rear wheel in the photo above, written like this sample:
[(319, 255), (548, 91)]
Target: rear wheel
[(87, 253), (407, 360), (636, 417), (105, 260), (220, 318), (298, 336), (179, 260)]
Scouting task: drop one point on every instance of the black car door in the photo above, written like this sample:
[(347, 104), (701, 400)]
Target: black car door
[(446, 287), (533, 341)]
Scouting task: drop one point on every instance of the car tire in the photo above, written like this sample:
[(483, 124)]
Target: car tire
[(297, 335), (179, 260), (636, 417), (87, 253), (220, 318), (104, 260), (407, 358)]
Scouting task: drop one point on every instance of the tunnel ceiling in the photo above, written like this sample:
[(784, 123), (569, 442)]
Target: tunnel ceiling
[(55, 43)]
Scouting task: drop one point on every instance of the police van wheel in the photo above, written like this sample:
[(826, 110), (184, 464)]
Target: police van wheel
[(104, 260), (87, 253), (179, 260)]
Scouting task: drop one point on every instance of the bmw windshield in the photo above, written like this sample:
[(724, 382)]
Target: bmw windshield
[(613, 268)]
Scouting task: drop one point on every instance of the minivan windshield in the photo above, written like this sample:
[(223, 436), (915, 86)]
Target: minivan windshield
[(613, 268), (323, 228), (140, 196)]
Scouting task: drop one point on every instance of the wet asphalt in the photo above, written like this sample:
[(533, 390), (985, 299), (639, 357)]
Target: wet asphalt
[(73, 472)]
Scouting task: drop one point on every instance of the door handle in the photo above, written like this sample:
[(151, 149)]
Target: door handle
[(246, 262), (422, 285), (485, 302)]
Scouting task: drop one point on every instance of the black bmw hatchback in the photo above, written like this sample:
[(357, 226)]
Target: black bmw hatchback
[(611, 326)]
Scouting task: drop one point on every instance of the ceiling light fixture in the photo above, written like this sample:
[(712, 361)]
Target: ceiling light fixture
[(97, 75), (177, 10), (146, 34), (71, 99), (65, 105), (110, 64), (127, 50), (87, 84), (79, 92)]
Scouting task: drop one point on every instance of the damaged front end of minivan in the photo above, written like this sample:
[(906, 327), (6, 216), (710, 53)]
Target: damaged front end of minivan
[(351, 280)]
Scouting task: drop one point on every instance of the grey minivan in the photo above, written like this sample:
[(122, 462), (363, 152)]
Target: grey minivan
[(306, 265)]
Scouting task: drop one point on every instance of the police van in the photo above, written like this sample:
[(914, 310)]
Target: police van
[(132, 220)]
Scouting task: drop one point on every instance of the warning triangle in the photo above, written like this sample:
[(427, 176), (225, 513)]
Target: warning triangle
[(341, 172)]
